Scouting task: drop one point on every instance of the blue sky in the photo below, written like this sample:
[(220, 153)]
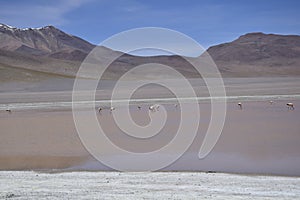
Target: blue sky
[(208, 22)]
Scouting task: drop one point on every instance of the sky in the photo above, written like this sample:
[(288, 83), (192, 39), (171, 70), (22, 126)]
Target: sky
[(208, 22)]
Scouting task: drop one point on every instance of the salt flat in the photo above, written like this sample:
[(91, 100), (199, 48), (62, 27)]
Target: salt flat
[(148, 185)]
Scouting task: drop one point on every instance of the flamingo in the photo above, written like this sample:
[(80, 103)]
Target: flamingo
[(176, 105), (240, 105), (290, 106), (112, 109), (99, 110), (154, 107)]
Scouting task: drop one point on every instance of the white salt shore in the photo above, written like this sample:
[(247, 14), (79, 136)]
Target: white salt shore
[(148, 185)]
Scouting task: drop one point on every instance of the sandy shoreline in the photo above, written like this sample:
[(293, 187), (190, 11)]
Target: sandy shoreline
[(55, 91), (260, 139), (64, 106)]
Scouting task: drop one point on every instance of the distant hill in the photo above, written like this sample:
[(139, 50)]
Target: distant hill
[(45, 49), (47, 40), (259, 54), (50, 50)]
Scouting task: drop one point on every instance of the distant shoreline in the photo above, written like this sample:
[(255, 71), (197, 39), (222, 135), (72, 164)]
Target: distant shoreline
[(68, 104)]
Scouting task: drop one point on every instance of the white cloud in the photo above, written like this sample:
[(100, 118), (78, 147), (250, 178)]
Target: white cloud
[(33, 14)]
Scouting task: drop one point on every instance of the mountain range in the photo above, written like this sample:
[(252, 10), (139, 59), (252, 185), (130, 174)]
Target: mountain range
[(49, 50)]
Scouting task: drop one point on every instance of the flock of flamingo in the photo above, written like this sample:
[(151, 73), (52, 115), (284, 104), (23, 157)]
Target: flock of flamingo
[(155, 107), (289, 105)]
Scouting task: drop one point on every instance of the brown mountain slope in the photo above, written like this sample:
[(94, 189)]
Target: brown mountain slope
[(46, 49), (41, 41), (50, 50), (259, 54)]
